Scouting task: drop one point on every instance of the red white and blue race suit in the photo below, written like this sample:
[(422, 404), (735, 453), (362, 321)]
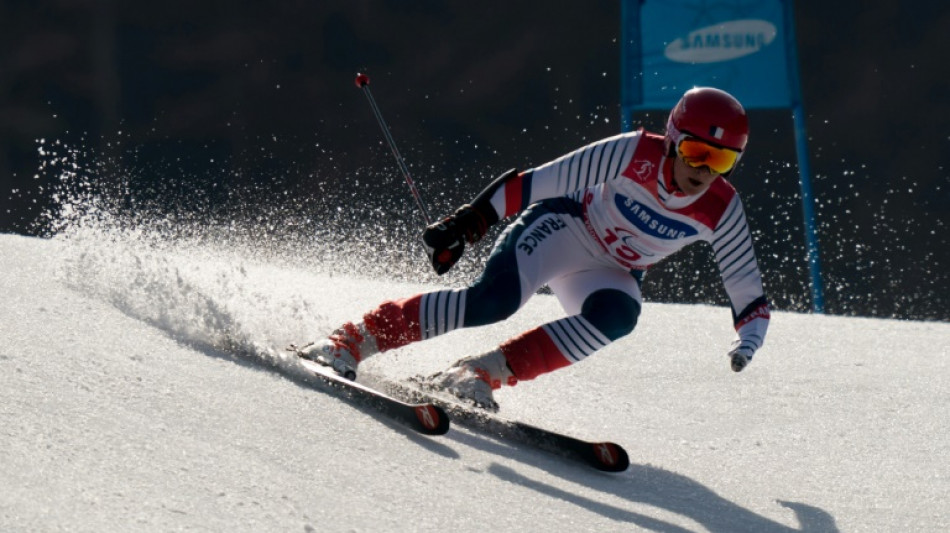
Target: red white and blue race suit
[(589, 225)]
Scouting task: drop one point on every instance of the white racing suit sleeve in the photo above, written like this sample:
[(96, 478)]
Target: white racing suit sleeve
[(585, 167), (732, 245)]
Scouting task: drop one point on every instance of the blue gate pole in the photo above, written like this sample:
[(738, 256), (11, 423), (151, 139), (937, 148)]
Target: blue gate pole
[(808, 211), (804, 169), (631, 63)]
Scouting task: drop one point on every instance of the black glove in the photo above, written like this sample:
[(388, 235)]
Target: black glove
[(445, 240)]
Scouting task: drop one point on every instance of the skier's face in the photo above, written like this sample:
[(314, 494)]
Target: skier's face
[(691, 180)]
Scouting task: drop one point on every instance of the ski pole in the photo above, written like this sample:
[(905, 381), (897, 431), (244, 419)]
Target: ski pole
[(362, 81)]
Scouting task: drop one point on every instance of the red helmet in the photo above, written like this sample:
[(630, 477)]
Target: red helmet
[(712, 115)]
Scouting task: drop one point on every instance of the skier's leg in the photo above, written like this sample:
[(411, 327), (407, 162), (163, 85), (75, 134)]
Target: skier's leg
[(532, 250), (603, 305), (511, 276)]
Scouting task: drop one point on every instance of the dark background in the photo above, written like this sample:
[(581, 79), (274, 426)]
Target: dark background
[(196, 104)]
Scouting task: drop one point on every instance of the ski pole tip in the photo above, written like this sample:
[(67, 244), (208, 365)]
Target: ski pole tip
[(361, 80)]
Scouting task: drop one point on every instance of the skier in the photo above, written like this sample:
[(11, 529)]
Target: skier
[(589, 224)]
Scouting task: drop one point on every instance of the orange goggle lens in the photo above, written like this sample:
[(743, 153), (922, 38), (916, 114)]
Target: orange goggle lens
[(697, 153)]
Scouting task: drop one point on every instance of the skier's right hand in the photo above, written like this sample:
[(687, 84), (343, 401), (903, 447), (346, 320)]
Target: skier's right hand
[(739, 358), (445, 240)]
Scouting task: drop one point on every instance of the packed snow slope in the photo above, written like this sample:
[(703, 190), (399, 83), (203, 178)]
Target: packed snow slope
[(144, 388)]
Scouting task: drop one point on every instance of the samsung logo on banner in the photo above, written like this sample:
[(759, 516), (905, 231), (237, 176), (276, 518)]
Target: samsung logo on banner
[(722, 42)]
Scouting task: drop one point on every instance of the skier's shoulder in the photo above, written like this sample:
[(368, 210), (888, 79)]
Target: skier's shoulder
[(724, 191), (639, 144), (718, 199), (639, 136)]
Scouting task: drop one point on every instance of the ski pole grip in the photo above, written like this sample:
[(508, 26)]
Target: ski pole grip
[(362, 80)]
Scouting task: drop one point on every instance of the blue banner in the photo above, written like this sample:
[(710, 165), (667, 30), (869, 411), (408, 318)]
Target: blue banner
[(745, 47), (738, 46)]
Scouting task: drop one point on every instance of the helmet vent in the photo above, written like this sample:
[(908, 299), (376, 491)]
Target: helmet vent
[(716, 132)]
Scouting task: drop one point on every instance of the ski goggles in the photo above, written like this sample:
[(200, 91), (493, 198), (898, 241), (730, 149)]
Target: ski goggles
[(698, 153)]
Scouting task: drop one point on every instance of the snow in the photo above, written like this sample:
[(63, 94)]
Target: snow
[(145, 388)]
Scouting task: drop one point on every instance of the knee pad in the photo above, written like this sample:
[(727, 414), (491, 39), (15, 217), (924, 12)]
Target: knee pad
[(613, 312)]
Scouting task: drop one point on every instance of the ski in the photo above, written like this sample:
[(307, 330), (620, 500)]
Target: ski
[(424, 417), (604, 456)]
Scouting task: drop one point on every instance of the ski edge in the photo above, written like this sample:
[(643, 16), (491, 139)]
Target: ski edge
[(425, 417), (605, 456)]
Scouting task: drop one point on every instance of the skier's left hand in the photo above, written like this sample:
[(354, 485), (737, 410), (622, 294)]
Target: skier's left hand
[(740, 357)]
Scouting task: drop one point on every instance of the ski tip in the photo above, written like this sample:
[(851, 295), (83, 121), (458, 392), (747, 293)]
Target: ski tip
[(432, 419), (609, 457)]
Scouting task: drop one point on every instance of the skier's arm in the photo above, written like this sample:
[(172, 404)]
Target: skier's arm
[(513, 192), (588, 166), (445, 240), (732, 244)]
